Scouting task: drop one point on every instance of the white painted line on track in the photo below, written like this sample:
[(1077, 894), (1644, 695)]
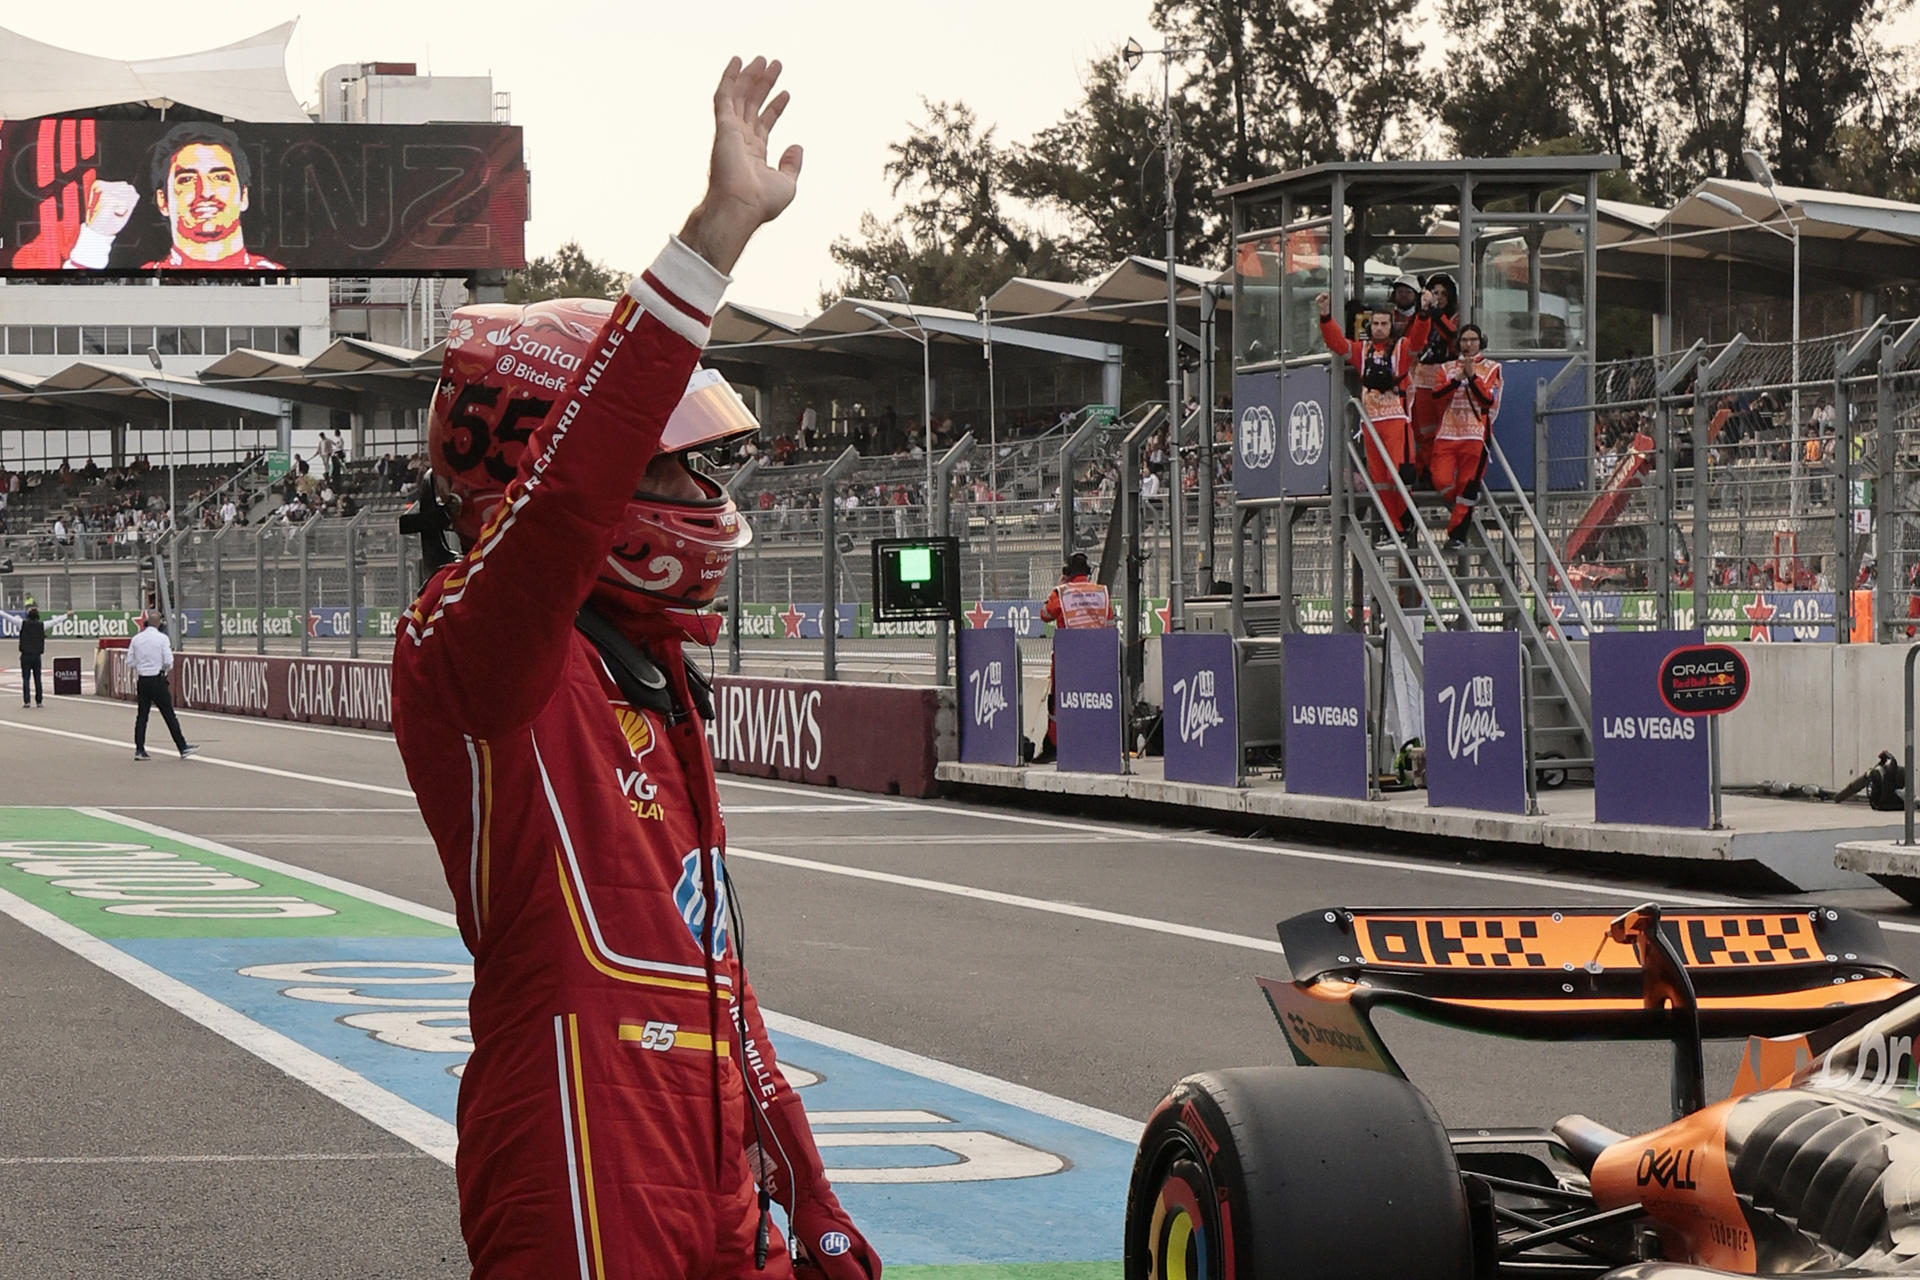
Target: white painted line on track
[(733, 809), (405, 906), (1250, 845), (1075, 910), (324, 838), (348, 1088), (120, 744), (290, 1157), (409, 811), (98, 703), (1110, 1123)]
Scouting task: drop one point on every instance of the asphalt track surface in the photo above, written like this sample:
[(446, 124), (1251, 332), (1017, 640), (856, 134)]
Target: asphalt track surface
[(1094, 961)]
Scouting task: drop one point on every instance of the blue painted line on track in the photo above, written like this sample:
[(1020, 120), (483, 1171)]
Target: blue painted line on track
[(1056, 1193)]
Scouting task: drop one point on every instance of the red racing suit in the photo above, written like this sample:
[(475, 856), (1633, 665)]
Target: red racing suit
[(1385, 406), (606, 1129)]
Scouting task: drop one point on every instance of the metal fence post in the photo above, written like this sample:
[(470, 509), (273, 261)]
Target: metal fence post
[(353, 585), (1886, 521), (1544, 394), (1846, 361), (1703, 480), (260, 590), (1070, 453), (219, 580), (736, 489), (830, 610), (1660, 491), (943, 526), (306, 601)]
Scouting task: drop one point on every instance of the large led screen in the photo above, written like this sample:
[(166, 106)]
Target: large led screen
[(128, 197)]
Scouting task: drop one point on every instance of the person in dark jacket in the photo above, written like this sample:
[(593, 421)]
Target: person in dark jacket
[(33, 646)]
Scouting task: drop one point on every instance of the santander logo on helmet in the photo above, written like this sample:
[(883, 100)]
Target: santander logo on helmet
[(504, 380)]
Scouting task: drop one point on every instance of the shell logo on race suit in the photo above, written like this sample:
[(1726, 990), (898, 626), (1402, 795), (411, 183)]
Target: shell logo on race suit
[(642, 792)]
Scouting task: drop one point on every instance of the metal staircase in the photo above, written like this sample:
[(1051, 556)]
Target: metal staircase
[(1491, 584)]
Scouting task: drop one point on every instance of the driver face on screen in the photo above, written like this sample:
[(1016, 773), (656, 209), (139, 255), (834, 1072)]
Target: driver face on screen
[(203, 200)]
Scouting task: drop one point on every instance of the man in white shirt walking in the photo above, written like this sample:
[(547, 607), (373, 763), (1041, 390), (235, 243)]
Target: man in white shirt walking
[(151, 655)]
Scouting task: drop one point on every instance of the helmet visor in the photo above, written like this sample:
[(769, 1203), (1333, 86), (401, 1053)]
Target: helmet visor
[(710, 412)]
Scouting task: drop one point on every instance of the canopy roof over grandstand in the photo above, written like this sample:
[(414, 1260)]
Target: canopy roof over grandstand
[(1856, 242), (245, 80)]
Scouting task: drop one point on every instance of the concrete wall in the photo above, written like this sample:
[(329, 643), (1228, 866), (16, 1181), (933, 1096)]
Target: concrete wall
[(1818, 713)]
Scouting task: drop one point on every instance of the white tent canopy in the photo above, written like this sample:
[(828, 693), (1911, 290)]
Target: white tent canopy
[(246, 80)]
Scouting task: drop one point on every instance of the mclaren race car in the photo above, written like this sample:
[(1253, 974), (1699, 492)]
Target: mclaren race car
[(1811, 1165)]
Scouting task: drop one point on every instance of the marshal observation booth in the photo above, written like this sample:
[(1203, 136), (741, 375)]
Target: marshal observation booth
[(1310, 549)]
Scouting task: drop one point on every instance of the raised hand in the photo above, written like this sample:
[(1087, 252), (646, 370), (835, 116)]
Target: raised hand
[(744, 190), (109, 205)]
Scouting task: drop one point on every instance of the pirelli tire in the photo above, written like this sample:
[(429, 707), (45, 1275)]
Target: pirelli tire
[(1319, 1173)]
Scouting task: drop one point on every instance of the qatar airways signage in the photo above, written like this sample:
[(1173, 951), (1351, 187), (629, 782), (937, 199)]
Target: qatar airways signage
[(865, 737), (358, 694)]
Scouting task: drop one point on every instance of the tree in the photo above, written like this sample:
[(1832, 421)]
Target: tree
[(1092, 172), (567, 272), (1678, 92), (956, 238)]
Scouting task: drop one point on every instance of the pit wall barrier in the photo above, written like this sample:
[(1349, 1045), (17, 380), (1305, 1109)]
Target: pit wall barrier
[(881, 738)]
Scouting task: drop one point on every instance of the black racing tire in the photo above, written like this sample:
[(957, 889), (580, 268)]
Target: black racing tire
[(1301, 1173)]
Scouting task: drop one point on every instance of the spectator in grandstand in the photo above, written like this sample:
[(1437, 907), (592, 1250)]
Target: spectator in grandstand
[(151, 657), (1383, 365), (1076, 603), (809, 423), (1470, 390), (229, 511)]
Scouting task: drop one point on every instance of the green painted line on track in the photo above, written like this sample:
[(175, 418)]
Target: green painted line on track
[(116, 881)]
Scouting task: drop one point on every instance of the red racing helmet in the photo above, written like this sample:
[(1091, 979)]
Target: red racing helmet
[(505, 371)]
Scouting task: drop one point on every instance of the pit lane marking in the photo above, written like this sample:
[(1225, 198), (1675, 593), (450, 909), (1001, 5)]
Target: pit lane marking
[(1558, 885), (110, 704), (432, 1136), (350, 1089), (1013, 900)]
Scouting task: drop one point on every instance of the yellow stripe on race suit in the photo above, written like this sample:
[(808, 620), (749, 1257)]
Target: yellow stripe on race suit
[(586, 1149), (593, 957), (663, 1036)]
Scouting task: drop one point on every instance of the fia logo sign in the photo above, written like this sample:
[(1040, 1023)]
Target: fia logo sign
[(1257, 440), (989, 693), (1199, 708), (1306, 433), (1472, 721)]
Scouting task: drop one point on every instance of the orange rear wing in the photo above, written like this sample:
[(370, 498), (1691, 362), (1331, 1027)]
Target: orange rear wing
[(1572, 973)]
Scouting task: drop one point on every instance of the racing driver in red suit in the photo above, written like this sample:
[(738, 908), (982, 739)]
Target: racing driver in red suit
[(622, 1114)]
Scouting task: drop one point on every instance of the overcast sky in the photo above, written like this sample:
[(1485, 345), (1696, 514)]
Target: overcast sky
[(616, 97)]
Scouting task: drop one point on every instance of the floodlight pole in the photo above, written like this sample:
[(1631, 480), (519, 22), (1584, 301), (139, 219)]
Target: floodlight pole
[(173, 507), (1130, 57), (993, 448), (944, 471), (830, 589), (736, 489)]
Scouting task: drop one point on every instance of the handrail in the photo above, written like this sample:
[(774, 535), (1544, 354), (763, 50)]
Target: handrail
[(1546, 544), (1426, 535)]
